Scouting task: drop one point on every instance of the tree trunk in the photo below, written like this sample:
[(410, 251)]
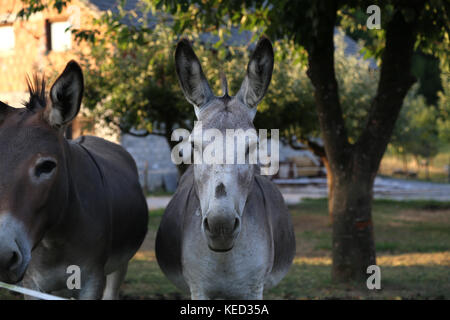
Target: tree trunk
[(330, 184), (427, 169), (419, 165), (353, 234), (353, 167), (405, 163), (319, 151), (448, 170)]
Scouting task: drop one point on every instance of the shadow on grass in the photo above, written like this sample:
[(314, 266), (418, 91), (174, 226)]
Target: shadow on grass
[(308, 281), (412, 239), (304, 281)]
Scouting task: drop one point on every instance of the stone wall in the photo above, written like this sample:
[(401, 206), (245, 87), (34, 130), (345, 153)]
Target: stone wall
[(152, 156)]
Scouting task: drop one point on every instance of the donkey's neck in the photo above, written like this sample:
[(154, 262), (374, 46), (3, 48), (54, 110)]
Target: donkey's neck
[(70, 206)]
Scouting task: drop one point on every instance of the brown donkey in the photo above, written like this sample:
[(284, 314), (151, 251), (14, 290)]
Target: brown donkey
[(65, 203)]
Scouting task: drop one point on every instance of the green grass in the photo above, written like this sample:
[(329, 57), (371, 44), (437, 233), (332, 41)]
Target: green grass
[(146, 281), (413, 250), (159, 193), (154, 218), (414, 234)]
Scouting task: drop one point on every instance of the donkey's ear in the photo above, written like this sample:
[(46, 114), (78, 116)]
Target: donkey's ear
[(190, 74), (259, 74), (65, 95)]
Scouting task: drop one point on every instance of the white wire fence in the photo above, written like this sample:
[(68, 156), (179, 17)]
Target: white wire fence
[(29, 292)]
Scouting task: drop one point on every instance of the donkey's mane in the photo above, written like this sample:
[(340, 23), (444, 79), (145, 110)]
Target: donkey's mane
[(36, 89)]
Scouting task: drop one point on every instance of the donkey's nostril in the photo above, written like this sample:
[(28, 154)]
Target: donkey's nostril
[(14, 260), (206, 225), (236, 224), (220, 191)]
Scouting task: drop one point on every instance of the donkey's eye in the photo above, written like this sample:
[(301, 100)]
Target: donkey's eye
[(44, 167)]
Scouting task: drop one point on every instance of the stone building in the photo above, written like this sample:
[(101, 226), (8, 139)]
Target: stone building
[(152, 156), (43, 45)]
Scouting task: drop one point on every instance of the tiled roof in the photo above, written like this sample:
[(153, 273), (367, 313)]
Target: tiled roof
[(112, 5), (104, 5)]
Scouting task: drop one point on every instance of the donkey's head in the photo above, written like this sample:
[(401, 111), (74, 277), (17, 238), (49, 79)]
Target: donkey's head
[(222, 187), (33, 172)]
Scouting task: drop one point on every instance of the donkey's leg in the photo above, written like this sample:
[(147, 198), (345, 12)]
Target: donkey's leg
[(198, 293), (199, 296), (113, 282), (252, 292), (92, 287), (256, 295), (40, 283)]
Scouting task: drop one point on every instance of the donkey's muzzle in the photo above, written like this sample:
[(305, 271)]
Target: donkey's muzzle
[(14, 251), (10, 262), (221, 230)]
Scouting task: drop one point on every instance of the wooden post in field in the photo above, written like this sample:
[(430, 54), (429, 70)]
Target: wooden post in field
[(448, 170), (146, 176)]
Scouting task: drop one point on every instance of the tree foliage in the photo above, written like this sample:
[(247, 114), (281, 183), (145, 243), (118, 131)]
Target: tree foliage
[(130, 76), (416, 132)]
